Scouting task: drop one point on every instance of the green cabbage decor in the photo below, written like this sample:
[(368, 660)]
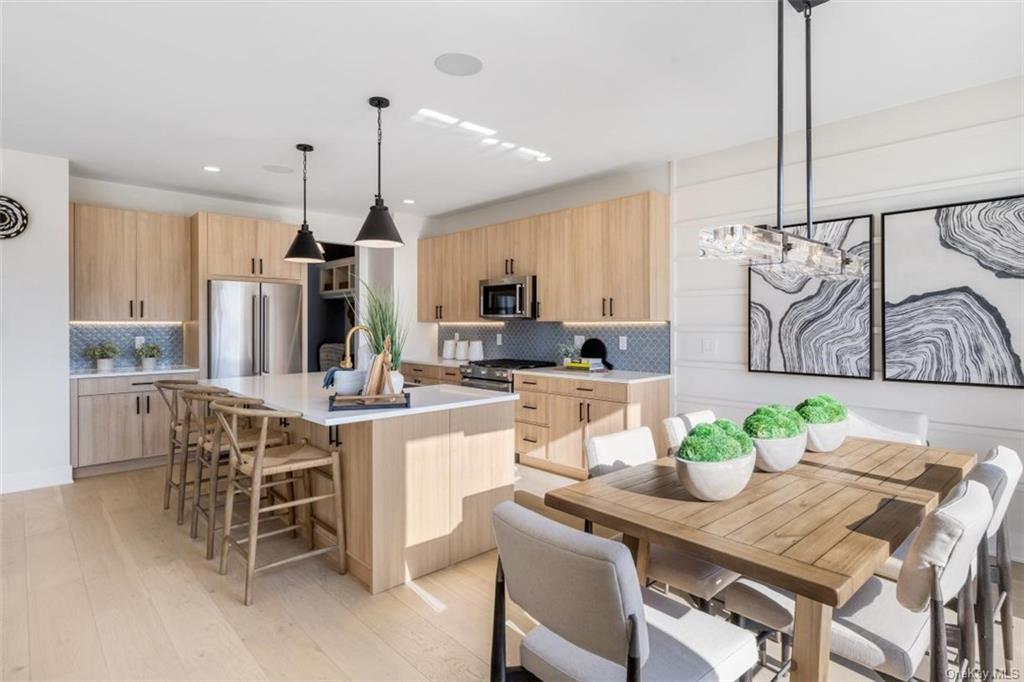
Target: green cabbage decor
[(716, 442), (822, 409), (774, 421)]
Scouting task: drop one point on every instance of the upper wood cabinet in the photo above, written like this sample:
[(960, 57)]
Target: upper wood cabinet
[(129, 265), (246, 247), (511, 248), (607, 261)]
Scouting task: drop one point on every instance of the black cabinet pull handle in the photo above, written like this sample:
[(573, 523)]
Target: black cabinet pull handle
[(142, 383), (442, 311), (588, 413), (512, 266), (261, 266), (137, 405), (581, 411), (611, 307), (530, 383), (506, 266), (604, 302), (142, 308), (252, 266), (147, 404), (529, 407), (581, 388), (131, 308), (529, 440)]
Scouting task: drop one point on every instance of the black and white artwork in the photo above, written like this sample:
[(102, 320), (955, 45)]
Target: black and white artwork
[(808, 325), (953, 287)]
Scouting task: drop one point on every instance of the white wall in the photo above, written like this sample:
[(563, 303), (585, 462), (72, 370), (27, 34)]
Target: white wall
[(34, 366), (962, 146)]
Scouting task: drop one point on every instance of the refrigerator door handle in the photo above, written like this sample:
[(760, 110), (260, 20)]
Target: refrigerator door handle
[(255, 317), (264, 341)]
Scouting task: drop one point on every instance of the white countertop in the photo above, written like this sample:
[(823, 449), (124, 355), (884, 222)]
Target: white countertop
[(615, 376), (304, 393), (436, 360), (93, 373)]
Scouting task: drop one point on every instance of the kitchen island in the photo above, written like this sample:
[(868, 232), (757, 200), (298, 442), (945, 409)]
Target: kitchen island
[(419, 482)]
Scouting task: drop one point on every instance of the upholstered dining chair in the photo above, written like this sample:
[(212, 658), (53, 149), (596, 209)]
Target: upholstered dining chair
[(691, 419), (595, 621), (676, 428), (698, 578), (884, 626), (895, 425)]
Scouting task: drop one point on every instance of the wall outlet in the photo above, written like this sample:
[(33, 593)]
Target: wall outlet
[(708, 346), (139, 340), (497, 339), (456, 336), (578, 340), (623, 343)]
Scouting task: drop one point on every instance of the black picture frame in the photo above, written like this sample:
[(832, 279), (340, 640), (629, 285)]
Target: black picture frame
[(871, 307), (919, 209)]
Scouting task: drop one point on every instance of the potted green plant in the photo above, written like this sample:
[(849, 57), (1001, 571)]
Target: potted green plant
[(779, 434), (384, 317), (568, 352), (827, 422), (715, 461), (149, 353), (103, 353)]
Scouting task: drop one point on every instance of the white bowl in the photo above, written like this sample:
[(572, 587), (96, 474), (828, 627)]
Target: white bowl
[(349, 381), (779, 454), (827, 437), (715, 481)]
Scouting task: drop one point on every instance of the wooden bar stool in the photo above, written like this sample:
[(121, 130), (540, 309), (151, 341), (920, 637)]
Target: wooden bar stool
[(183, 434), (298, 462), (211, 441)]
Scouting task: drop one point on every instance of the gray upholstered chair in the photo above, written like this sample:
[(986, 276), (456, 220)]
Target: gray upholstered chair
[(595, 620), (698, 578), (885, 625), (894, 425)]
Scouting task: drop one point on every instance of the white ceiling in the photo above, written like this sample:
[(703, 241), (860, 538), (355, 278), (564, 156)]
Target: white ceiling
[(147, 93)]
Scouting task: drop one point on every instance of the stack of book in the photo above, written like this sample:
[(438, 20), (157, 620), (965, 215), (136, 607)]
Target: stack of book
[(586, 364)]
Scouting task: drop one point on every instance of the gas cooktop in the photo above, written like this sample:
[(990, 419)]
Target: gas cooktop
[(512, 364)]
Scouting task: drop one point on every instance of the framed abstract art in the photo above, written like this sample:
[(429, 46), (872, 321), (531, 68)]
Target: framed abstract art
[(953, 293), (812, 326)]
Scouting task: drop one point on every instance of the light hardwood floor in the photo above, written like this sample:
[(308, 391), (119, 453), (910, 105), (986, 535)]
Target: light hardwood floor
[(99, 583)]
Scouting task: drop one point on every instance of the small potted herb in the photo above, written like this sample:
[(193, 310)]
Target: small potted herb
[(780, 436), (103, 353), (827, 423), (568, 352), (715, 460), (149, 353)]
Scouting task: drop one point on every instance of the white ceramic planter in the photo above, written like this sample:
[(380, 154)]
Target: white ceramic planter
[(105, 364), (397, 381), (779, 454), (349, 381), (827, 437), (715, 481), (148, 363)]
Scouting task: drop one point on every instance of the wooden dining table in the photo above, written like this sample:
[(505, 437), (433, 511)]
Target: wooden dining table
[(819, 530)]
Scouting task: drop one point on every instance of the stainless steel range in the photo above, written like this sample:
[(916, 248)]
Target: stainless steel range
[(496, 375)]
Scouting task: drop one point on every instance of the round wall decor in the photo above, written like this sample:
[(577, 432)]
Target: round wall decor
[(13, 218)]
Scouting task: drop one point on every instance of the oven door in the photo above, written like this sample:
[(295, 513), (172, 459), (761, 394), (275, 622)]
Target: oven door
[(509, 297), (488, 384)]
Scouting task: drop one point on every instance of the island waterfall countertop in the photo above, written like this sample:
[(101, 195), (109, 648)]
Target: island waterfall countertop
[(305, 393), (615, 376)]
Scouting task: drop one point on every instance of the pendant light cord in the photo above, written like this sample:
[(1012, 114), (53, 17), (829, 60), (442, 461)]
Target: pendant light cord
[(780, 191), (380, 138), (807, 111), (305, 224)]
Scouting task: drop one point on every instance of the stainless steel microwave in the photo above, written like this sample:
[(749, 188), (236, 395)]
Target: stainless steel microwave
[(508, 297)]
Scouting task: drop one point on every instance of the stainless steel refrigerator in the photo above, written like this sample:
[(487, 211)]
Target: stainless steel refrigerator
[(255, 328)]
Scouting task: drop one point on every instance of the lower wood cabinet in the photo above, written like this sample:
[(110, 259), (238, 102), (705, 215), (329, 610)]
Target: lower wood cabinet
[(424, 374), (119, 419), (554, 416)]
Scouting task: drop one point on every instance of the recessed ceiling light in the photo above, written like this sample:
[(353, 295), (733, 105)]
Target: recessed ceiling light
[(458, 64), (531, 152), (507, 145), (211, 169), (543, 159), (274, 168), (488, 141), (437, 116), (408, 201), (473, 127)]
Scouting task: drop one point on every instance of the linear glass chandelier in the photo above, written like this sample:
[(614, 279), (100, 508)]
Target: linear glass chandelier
[(764, 247)]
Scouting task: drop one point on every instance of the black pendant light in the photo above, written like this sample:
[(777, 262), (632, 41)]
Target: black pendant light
[(304, 248), (379, 231)]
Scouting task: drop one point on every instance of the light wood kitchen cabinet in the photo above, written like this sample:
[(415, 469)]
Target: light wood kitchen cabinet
[(450, 269), (511, 248), (129, 265), (557, 292), (569, 410), (155, 420), (109, 428), (273, 240), (231, 245), (432, 280), (425, 374)]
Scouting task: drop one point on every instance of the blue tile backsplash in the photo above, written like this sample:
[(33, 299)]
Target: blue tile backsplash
[(648, 345), (168, 337)]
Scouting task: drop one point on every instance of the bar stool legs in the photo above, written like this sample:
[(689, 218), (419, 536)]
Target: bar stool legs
[(1005, 583), (339, 512)]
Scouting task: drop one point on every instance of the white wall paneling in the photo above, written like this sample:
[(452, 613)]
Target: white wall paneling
[(966, 145)]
